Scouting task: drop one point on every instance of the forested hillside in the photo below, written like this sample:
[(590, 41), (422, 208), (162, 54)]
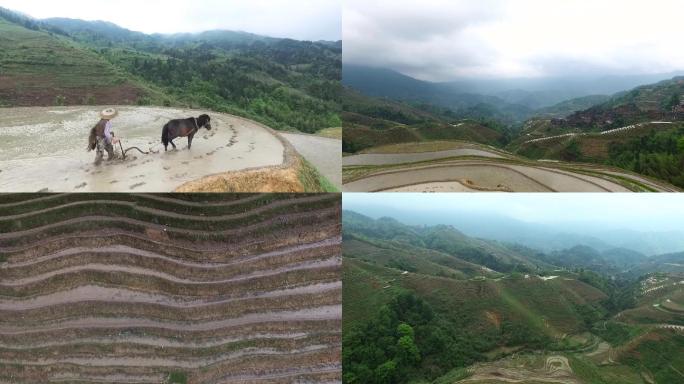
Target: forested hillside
[(428, 304), (284, 83)]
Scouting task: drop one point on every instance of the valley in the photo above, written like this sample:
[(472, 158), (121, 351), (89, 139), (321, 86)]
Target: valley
[(428, 304)]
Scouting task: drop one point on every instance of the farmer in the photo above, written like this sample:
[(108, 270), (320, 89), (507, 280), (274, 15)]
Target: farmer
[(102, 137)]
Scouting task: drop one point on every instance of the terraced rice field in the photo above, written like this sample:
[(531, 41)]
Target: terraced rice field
[(44, 149), (484, 169), (217, 288)]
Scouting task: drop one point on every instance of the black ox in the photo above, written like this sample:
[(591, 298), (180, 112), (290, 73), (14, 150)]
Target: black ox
[(182, 128)]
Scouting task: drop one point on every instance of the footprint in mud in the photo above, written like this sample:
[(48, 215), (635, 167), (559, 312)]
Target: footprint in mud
[(205, 137), (134, 186), (138, 177), (167, 168), (210, 153), (147, 161), (82, 185), (113, 181), (132, 165), (185, 162), (179, 175), (198, 157)]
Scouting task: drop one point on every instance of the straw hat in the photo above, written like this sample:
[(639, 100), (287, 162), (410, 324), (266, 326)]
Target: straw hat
[(109, 113)]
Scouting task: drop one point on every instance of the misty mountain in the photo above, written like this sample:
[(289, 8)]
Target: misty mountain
[(517, 96), (544, 92), (104, 33), (614, 260), (543, 237), (390, 84), (440, 238)]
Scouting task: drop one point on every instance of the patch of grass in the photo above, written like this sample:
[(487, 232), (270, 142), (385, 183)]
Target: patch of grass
[(453, 376), (177, 378), (331, 133), (313, 181), (586, 371), (618, 333)]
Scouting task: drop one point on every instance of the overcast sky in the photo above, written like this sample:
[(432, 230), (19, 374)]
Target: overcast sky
[(442, 40), (641, 212), (298, 19)]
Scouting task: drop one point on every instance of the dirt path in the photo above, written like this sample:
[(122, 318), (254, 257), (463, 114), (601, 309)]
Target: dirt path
[(44, 149), (324, 153)]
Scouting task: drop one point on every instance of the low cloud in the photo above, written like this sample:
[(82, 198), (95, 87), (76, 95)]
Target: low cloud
[(443, 40)]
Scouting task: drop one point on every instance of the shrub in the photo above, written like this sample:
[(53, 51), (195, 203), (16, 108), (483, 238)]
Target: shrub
[(177, 378)]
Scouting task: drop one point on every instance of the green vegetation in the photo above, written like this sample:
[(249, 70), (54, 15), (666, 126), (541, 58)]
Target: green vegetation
[(313, 181), (395, 109), (662, 355), (403, 341), (286, 84), (371, 122), (658, 154), (419, 308), (617, 333), (177, 378)]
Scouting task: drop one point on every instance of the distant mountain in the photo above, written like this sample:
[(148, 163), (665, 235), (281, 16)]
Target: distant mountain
[(103, 33), (543, 92), (567, 107), (543, 237), (441, 238), (379, 82), (371, 121), (644, 103), (516, 96)]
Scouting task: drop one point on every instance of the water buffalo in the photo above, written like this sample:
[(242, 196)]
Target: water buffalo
[(182, 128)]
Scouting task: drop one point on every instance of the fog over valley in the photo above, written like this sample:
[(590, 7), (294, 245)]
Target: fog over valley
[(648, 224)]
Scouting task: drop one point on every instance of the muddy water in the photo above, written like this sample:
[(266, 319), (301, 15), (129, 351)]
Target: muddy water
[(44, 148)]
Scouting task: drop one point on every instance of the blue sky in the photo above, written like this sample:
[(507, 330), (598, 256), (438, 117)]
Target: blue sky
[(297, 19)]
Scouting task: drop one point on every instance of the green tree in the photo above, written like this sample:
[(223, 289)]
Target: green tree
[(386, 372)]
